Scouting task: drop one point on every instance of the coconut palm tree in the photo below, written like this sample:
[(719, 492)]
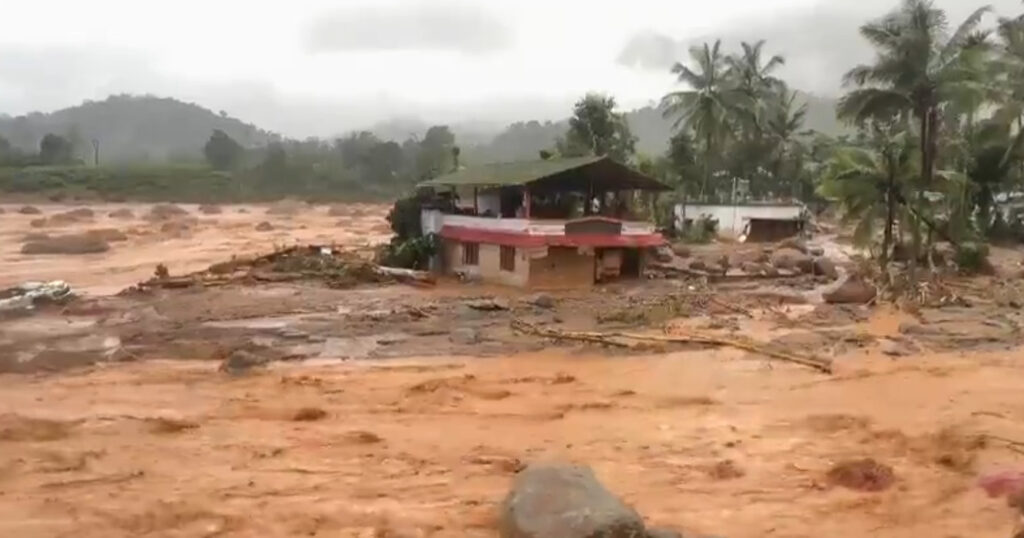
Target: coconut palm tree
[(919, 67), (703, 108), (870, 184), (754, 79)]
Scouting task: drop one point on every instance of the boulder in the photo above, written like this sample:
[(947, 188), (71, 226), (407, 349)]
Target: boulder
[(488, 305), (565, 501), (122, 213), (29, 210), (264, 227), (793, 243), (663, 254), (825, 267), (465, 336), (698, 265), (805, 265), (241, 361), (790, 259), (853, 291), (541, 300), (681, 250)]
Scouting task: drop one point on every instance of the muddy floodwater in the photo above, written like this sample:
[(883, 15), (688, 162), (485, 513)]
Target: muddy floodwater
[(388, 410), (183, 243)]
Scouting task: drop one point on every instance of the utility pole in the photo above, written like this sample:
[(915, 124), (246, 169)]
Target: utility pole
[(96, 152)]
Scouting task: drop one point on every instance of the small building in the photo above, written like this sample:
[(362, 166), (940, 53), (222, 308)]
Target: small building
[(543, 224), (750, 222)]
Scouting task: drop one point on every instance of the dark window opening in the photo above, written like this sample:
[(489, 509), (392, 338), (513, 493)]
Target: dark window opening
[(508, 258), (470, 254)]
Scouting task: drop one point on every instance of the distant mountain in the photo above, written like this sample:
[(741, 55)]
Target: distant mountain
[(147, 128), (132, 128), (523, 140)]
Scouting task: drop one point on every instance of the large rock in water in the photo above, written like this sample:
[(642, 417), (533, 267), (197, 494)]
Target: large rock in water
[(791, 259), (853, 291), (565, 501)]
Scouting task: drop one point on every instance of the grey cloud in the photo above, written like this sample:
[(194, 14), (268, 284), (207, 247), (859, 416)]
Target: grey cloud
[(443, 25), (820, 43), (33, 78)]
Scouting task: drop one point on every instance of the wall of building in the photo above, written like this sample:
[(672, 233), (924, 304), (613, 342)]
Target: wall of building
[(489, 267), (733, 219), (562, 267)]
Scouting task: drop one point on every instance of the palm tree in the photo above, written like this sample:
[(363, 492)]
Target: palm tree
[(870, 184), (784, 120), (919, 67), (754, 79), (704, 107)]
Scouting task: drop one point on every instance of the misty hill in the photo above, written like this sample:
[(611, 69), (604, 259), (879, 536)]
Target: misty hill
[(523, 140), (132, 129)]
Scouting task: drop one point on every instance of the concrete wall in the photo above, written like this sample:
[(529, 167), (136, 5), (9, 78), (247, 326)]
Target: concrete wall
[(489, 268), (733, 219)]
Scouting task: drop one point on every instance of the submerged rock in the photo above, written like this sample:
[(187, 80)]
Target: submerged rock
[(565, 501)]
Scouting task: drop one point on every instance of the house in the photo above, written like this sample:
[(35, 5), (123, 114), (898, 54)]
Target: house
[(751, 221), (543, 224)]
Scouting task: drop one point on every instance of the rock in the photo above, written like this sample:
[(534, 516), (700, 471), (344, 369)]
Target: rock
[(805, 265), (853, 291), (488, 305), (825, 267), (664, 533), (165, 212), (662, 254), (541, 300), (793, 243), (698, 265), (29, 210), (752, 268), (264, 227), (790, 259), (465, 336), (123, 213), (210, 209), (681, 250), (815, 251), (565, 501), (241, 361)]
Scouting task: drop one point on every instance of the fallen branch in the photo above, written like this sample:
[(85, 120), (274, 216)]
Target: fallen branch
[(620, 339)]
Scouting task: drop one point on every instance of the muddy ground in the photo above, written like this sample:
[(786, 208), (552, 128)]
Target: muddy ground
[(390, 410)]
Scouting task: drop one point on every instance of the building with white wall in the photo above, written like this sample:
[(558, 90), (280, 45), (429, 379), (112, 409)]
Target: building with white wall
[(754, 221)]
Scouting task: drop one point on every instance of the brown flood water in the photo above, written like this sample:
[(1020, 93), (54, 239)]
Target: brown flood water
[(427, 447), (214, 238)]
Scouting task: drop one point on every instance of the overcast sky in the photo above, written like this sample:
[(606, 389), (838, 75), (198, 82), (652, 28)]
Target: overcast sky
[(318, 67)]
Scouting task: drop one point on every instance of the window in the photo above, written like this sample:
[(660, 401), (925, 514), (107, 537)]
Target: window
[(508, 258), (470, 254)]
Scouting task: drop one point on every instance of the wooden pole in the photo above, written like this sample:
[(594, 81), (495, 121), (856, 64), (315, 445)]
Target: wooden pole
[(476, 207), (526, 202)]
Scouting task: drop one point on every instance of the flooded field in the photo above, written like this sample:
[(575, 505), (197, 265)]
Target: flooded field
[(183, 242), (384, 410)]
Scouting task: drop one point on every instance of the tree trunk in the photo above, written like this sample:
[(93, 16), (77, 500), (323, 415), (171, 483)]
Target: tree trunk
[(890, 216), (708, 147)]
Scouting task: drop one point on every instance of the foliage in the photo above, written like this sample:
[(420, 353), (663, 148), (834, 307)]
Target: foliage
[(55, 149), (595, 128), (221, 151), (410, 253), (702, 231)]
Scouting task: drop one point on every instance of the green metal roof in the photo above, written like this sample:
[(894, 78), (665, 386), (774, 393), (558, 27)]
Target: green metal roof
[(576, 172)]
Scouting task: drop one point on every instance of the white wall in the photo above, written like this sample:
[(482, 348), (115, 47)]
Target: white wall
[(732, 219)]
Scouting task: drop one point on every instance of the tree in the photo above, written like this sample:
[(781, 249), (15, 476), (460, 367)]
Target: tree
[(918, 68), (55, 149), (5, 151), (703, 108), (435, 156), (870, 184), (595, 128), (221, 151)]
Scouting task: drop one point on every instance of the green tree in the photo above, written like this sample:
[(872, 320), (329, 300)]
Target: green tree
[(6, 151), (871, 185), (703, 108), (434, 155), (596, 128), (919, 68), (55, 149), (221, 151)]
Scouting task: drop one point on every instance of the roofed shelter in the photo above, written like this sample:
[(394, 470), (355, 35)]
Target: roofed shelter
[(544, 223)]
